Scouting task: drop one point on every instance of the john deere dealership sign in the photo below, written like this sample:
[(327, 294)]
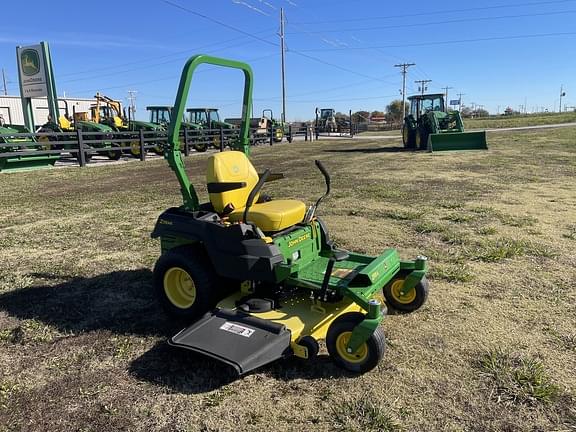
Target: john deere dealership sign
[(32, 69)]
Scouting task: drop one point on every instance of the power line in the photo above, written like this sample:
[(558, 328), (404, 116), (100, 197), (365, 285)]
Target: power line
[(452, 21), (178, 53), (443, 12), (300, 53), (456, 41)]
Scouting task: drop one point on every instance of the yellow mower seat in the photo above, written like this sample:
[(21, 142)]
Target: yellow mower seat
[(230, 178)]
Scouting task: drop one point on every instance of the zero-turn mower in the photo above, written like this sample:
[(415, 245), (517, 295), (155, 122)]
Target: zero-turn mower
[(260, 279)]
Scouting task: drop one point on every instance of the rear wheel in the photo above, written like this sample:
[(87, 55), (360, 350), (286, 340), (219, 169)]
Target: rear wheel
[(185, 283), (200, 147), (135, 148), (407, 137), (366, 357), (409, 302)]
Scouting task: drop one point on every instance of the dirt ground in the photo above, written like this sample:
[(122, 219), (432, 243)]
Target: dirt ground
[(82, 339)]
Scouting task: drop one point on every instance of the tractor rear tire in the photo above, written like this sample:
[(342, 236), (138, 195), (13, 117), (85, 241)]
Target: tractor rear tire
[(407, 137), (185, 283), (366, 357)]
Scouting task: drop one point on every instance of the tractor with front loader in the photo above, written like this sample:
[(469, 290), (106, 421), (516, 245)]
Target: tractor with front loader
[(430, 127), (109, 112), (101, 134), (328, 121), (256, 279)]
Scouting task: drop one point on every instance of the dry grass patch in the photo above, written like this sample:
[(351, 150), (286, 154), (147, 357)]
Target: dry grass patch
[(517, 378)]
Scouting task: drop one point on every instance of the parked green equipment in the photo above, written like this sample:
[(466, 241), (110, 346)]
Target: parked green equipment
[(16, 156), (162, 115), (209, 119), (430, 127), (260, 279), (276, 126)]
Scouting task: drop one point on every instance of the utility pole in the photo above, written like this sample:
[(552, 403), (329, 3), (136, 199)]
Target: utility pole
[(460, 100), (4, 82), (404, 67), (132, 99), (446, 93), (282, 56), (423, 83), (562, 94)]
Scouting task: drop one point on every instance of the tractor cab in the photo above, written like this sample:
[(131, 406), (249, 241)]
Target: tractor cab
[(422, 104), (206, 117), (160, 114)]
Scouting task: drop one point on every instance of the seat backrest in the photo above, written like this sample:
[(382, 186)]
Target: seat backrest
[(231, 167)]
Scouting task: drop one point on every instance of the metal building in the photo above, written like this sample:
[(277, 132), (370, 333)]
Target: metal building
[(11, 108)]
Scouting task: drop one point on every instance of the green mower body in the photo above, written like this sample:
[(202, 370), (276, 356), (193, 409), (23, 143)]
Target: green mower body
[(257, 287)]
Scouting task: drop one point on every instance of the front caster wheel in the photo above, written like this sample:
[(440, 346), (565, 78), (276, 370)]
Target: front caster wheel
[(364, 358), (409, 302)]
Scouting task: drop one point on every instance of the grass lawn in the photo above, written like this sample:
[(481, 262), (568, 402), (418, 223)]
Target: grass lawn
[(82, 339), (519, 121)]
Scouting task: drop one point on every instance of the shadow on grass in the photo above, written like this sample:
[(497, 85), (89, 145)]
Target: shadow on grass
[(121, 302), (185, 371), (368, 150)]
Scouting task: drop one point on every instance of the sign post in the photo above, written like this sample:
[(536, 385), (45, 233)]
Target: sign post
[(36, 78)]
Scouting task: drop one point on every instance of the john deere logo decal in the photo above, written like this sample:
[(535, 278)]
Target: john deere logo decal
[(30, 62)]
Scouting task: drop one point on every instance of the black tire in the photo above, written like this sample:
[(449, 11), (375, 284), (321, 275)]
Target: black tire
[(194, 300), (200, 147), (412, 301), (114, 154), (421, 139), (366, 357), (407, 137), (311, 345)]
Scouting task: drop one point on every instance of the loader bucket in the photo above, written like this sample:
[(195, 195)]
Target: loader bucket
[(457, 141), (26, 162)]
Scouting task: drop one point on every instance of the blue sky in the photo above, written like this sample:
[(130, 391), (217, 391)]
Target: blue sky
[(340, 53)]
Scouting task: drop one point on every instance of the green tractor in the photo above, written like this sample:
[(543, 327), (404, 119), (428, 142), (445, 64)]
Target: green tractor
[(209, 119), (15, 156), (260, 279), (430, 127), (276, 126), (101, 133), (162, 115), (109, 112)]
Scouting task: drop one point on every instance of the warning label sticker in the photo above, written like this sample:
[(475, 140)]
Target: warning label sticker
[(237, 329)]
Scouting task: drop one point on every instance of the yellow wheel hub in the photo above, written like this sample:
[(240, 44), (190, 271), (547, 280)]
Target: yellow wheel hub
[(405, 134), (135, 148), (45, 143), (179, 287), (407, 298), (418, 139), (356, 357)]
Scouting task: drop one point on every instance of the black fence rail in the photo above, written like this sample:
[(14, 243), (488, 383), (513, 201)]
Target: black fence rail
[(83, 145)]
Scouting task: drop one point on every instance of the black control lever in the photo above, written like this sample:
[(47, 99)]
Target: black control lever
[(326, 178)]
